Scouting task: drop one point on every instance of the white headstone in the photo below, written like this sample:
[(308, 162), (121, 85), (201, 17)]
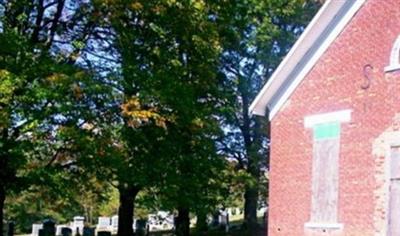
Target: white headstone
[(36, 228), (134, 225), (104, 221), (103, 224), (163, 214), (114, 223), (223, 217), (78, 224), (58, 229)]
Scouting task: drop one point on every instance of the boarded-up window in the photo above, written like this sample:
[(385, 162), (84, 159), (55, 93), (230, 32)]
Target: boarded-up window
[(394, 195), (325, 173)]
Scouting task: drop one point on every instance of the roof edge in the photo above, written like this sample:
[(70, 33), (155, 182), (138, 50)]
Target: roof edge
[(324, 28)]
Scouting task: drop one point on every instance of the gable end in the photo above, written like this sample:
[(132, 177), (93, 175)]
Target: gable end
[(318, 36)]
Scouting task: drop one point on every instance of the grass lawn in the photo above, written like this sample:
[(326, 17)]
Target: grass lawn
[(234, 231)]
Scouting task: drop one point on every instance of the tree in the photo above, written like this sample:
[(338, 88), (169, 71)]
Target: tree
[(258, 35), (134, 87), (58, 202), (167, 54), (148, 69), (42, 92), (196, 184), (31, 112)]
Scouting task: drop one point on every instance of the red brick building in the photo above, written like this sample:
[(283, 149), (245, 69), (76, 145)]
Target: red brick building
[(334, 106)]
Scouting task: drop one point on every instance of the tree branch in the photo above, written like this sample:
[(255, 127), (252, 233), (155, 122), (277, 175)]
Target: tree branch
[(38, 22), (54, 24)]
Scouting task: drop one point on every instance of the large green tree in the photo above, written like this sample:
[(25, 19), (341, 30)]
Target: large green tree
[(44, 94), (168, 55), (35, 102), (134, 88), (257, 35)]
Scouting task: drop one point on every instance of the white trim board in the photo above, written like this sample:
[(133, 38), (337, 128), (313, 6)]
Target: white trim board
[(318, 36), (316, 225), (337, 116)]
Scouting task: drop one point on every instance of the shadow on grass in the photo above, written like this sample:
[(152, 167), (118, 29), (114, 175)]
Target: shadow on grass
[(235, 230)]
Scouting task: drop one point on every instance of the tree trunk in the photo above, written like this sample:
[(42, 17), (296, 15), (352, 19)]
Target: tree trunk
[(182, 222), (250, 208), (38, 21), (251, 192), (254, 163), (91, 215), (127, 197), (251, 195), (2, 200)]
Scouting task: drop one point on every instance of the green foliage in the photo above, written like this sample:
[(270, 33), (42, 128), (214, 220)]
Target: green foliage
[(259, 35), (45, 101), (151, 95), (110, 207), (171, 93), (43, 202)]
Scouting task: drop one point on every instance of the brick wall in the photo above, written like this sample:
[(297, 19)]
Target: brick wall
[(335, 84)]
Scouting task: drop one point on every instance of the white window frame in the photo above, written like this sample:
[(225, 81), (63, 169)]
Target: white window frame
[(382, 148), (393, 141), (394, 56), (341, 116)]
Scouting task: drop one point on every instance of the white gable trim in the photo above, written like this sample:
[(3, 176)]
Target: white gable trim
[(318, 36)]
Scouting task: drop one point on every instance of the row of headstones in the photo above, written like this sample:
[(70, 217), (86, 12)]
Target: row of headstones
[(107, 223), (48, 228), (76, 227)]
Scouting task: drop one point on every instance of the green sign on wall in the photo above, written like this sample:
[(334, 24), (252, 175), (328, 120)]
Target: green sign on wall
[(326, 130)]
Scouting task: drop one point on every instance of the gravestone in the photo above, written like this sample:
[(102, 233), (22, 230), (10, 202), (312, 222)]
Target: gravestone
[(48, 229), (78, 224), (87, 231), (114, 224), (224, 219), (59, 228), (77, 231), (141, 227), (134, 225), (36, 228), (65, 231), (103, 224), (215, 219), (10, 231), (104, 233)]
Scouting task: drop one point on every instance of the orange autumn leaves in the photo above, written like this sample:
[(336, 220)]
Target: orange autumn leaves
[(136, 115)]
